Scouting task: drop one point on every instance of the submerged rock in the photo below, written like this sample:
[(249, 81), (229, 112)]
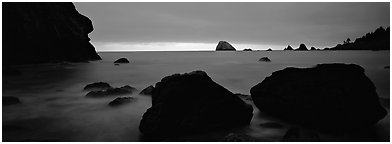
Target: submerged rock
[(97, 86), (264, 59), (45, 32), (121, 60), (147, 91), (120, 101), (224, 46), (111, 92), (329, 96), (192, 103), (10, 100)]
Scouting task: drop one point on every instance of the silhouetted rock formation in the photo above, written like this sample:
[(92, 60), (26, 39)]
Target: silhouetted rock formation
[(329, 96), (45, 32), (122, 60), (10, 100), (269, 49), (192, 103), (147, 91), (288, 48), (264, 59), (97, 86), (377, 40), (224, 46), (111, 92), (302, 47), (120, 101), (313, 48), (247, 50)]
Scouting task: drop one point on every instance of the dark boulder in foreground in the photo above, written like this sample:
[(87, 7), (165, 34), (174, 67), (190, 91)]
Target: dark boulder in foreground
[(122, 60), (10, 100), (111, 92), (40, 32), (329, 96), (302, 47), (147, 91), (97, 86), (120, 101), (264, 59), (192, 103), (224, 46)]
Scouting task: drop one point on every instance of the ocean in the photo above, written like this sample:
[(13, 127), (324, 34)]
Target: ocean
[(54, 106)]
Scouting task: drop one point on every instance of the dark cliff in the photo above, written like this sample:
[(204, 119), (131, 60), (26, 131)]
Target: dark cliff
[(45, 32), (377, 40)]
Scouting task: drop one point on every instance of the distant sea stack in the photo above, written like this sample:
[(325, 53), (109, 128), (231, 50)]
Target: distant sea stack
[(302, 47), (288, 48), (224, 46), (45, 32)]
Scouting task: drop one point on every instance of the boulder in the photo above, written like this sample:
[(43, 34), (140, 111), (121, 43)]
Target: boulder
[(147, 91), (288, 48), (121, 60), (10, 100), (97, 86), (313, 48), (302, 47), (264, 59), (247, 50), (45, 32), (224, 46), (269, 49), (111, 92), (120, 101), (330, 97), (192, 103)]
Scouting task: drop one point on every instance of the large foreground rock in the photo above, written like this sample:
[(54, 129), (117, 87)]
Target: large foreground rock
[(191, 103), (328, 96), (39, 32), (224, 46)]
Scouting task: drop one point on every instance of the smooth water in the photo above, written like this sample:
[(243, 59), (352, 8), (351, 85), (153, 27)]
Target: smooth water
[(54, 107)]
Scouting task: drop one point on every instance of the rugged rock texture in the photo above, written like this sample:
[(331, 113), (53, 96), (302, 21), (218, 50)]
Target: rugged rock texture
[(192, 103), (45, 32), (147, 91), (122, 60), (224, 46), (302, 47), (97, 86), (264, 59), (288, 48), (331, 97)]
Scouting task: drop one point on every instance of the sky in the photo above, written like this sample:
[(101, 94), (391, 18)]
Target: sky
[(131, 26)]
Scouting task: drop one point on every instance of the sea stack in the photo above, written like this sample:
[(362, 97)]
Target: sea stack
[(224, 46), (332, 97), (302, 47), (45, 32), (288, 48)]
